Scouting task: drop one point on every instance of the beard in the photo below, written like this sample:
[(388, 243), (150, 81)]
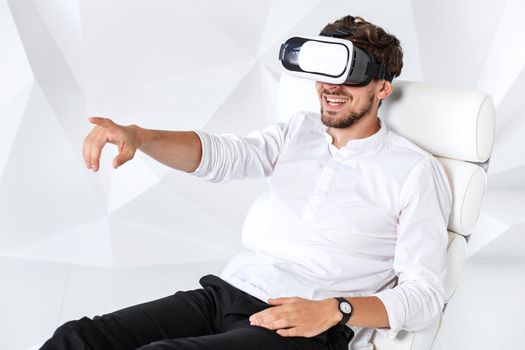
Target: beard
[(352, 117)]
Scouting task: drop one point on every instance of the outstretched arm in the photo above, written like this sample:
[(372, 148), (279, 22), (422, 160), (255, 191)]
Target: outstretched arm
[(181, 150)]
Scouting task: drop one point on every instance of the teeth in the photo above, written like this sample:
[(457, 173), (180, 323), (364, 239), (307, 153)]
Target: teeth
[(336, 100)]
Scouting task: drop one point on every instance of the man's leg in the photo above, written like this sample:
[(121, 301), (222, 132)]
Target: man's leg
[(234, 331), (185, 314), (212, 318)]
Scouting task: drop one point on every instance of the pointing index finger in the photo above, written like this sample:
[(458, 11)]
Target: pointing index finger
[(99, 121)]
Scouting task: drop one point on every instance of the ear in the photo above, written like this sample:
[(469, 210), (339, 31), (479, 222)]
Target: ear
[(384, 89)]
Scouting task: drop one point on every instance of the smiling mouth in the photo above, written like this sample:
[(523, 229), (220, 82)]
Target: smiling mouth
[(335, 102)]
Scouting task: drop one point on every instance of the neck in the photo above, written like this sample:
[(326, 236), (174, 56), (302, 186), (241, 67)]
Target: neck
[(365, 127)]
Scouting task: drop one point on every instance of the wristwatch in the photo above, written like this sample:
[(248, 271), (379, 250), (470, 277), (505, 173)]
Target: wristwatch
[(345, 308)]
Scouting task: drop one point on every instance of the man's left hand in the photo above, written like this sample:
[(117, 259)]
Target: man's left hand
[(298, 317)]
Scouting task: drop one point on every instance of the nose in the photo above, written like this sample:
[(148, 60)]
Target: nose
[(329, 86), (332, 88)]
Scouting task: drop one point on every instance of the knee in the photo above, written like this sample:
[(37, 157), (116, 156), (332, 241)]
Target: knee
[(79, 327), (71, 335)]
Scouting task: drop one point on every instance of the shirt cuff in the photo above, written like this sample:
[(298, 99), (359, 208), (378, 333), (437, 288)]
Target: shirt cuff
[(395, 310), (201, 170)]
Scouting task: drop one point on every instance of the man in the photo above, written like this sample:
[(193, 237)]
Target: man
[(351, 209)]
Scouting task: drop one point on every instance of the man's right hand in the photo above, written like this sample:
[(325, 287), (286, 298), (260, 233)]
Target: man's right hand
[(105, 130)]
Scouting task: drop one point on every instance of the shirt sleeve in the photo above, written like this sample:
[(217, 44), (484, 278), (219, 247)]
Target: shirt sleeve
[(421, 250), (227, 157)]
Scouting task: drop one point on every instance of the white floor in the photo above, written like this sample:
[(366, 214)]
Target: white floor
[(486, 312)]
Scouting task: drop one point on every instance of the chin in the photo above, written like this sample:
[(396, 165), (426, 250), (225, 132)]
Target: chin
[(339, 120)]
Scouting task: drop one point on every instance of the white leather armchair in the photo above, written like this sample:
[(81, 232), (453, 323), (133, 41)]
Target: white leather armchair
[(456, 126)]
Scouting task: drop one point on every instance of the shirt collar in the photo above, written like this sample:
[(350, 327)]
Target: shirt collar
[(364, 146)]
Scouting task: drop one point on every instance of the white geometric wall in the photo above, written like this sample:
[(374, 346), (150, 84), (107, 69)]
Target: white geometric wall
[(74, 242)]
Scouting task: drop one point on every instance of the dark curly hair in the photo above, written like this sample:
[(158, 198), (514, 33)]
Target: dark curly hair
[(385, 47)]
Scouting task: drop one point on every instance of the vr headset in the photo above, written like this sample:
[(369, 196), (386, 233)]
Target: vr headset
[(330, 59)]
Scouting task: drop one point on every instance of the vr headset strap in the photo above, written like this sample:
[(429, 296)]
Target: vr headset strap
[(379, 71), (376, 70)]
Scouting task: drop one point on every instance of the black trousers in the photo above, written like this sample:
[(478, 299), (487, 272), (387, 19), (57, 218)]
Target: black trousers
[(214, 317)]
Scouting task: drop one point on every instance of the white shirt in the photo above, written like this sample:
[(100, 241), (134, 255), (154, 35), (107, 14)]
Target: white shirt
[(338, 222)]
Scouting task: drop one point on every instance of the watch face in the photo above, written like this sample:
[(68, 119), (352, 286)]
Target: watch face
[(345, 307)]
